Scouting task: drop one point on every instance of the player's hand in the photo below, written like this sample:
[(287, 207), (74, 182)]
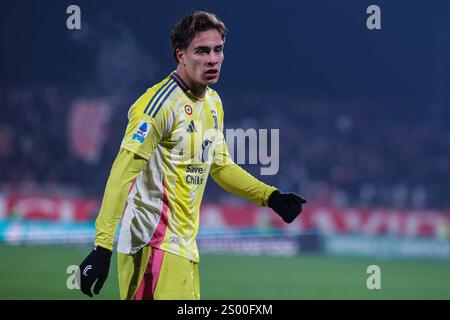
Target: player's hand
[(287, 205), (95, 267)]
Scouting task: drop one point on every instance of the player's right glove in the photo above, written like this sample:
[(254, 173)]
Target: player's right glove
[(94, 267), (287, 205)]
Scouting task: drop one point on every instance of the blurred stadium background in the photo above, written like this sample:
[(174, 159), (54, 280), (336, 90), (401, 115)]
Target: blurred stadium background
[(364, 120)]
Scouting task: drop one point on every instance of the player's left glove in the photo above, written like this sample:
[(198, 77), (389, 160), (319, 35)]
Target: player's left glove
[(287, 205)]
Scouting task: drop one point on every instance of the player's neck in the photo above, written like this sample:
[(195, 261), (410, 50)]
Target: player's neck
[(198, 90)]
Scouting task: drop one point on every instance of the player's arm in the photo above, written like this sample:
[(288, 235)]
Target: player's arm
[(142, 135), (232, 178), (125, 169), (95, 267), (236, 180)]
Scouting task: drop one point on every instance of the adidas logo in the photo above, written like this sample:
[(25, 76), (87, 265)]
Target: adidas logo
[(191, 127)]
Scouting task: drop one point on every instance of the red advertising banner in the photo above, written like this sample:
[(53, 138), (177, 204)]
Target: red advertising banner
[(51, 208), (326, 220)]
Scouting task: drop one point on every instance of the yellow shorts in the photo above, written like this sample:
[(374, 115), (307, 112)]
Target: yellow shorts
[(153, 274)]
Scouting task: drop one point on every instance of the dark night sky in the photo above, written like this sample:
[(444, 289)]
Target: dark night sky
[(310, 47)]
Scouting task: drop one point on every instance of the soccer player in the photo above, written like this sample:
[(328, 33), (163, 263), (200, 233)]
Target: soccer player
[(173, 141)]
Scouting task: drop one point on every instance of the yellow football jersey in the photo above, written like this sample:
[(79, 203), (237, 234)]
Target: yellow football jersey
[(181, 137)]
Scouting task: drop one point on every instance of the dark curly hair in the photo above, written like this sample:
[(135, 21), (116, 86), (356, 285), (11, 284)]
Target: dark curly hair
[(185, 30)]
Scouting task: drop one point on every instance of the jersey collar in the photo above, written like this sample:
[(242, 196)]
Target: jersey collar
[(179, 81), (176, 77)]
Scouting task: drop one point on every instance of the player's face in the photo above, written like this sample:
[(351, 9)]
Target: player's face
[(204, 56)]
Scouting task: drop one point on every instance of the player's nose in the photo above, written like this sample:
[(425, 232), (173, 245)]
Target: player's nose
[(213, 59)]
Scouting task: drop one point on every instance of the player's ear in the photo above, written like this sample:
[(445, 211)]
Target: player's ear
[(181, 55)]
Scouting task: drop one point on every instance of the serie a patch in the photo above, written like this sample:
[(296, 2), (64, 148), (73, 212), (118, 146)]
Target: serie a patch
[(141, 131)]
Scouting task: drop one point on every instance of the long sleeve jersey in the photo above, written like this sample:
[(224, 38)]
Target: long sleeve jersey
[(173, 142)]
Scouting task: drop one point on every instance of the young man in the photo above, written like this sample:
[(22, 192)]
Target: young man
[(173, 140)]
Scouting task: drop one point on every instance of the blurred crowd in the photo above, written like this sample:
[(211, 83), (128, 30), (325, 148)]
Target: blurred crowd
[(345, 152)]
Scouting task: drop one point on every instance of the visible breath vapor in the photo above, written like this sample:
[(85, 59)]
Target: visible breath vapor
[(120, 62)]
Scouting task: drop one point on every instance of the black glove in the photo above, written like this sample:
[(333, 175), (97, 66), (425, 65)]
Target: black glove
[(94, 267), (287, 205)]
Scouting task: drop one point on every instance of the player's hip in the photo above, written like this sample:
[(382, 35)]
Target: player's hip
[(153, 273)]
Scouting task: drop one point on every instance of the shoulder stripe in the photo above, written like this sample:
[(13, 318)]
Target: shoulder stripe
[(157, 93), (162, 94), (172, 88)]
